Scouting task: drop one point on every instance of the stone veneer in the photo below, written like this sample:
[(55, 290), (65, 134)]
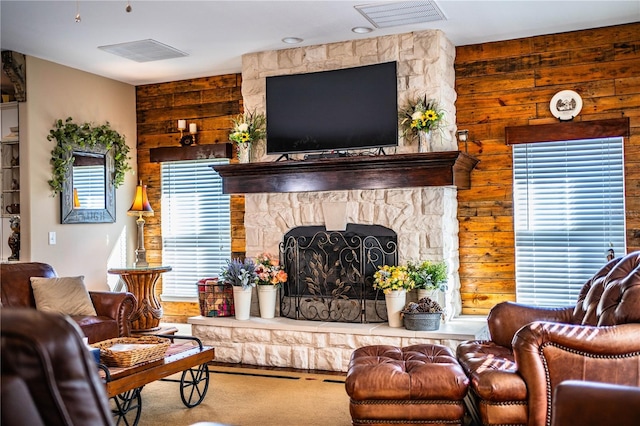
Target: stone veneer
[(282, 342), (425, 219)]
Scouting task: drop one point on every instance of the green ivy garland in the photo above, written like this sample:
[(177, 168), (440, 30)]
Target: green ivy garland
[(70, 136)]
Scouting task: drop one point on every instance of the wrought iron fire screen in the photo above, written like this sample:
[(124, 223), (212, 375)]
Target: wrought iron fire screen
[(331, 272)]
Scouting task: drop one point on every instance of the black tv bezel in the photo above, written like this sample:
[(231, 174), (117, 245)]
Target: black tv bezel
[(392, 144)]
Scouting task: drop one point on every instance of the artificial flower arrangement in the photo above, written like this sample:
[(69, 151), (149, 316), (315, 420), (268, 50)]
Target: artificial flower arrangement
[(428, 275), (269, 271), (421, 115), (389, 278), (248, 127), (240, 273)]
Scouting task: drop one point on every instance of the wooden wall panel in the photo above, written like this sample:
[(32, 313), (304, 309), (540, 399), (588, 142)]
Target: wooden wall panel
[(210, 102), (510, 83)]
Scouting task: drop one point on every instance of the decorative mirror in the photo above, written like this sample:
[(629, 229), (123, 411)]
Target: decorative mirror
[(86, 196), (88, 164)]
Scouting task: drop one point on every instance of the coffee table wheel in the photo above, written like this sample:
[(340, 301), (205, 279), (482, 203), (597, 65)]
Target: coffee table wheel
[(194, 385), (127, 407)]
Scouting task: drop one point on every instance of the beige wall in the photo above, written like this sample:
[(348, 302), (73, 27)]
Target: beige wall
[(57, 92)]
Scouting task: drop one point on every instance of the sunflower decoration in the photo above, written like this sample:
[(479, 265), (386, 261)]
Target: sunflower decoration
[(421, 115), (248, 127)]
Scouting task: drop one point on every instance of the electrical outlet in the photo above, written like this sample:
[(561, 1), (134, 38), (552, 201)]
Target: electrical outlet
[(52, 238)]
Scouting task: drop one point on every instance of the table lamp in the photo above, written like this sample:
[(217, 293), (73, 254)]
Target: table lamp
[(140, 208)]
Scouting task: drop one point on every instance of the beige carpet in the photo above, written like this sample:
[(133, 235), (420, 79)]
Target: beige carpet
[(248, 397)]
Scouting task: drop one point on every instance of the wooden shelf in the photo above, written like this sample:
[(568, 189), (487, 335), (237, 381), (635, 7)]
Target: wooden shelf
[(447, 168), (194, 152)]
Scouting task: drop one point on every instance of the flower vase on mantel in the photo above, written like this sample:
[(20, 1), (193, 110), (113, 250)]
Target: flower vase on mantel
[(267, 297), (424, 142), (395, 301), (244, 152)]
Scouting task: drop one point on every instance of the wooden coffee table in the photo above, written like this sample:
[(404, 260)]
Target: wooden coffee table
[(186, 354)]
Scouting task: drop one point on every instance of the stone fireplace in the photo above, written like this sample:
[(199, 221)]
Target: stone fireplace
[(424, 218)]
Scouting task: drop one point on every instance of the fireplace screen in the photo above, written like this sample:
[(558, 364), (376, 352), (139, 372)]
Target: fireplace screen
[(331, 273)]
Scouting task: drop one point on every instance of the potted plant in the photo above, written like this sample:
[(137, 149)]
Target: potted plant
[(394, 281), (241, 274), (429, 277), (424, 315), (247, 128), (420, 116), (269, 276)]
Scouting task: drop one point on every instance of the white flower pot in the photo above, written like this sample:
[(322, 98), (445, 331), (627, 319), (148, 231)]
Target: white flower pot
[(395, 301), (267, 297), (242, 302)]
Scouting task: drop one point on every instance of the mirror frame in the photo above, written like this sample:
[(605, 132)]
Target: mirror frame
[(107, 215)]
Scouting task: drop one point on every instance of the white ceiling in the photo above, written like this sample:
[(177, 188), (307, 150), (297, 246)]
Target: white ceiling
[(215, 34)]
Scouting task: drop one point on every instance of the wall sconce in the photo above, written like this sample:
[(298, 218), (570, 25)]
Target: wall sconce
[(140, 208), (463, 136), (190, 138)]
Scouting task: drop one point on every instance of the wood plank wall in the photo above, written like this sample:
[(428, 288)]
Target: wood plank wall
[(510, 83), (209, 102)]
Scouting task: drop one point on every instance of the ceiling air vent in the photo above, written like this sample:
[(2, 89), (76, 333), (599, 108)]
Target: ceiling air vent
[(384, 15), (143, 50)]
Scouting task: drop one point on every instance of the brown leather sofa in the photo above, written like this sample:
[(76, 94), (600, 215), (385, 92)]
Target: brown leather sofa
[(48, 377), (113, 309), (515, 374), (595, 404)]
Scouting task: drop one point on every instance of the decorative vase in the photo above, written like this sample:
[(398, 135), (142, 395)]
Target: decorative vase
[(244, 152), (431, 294), (267, 296), (395, 302), (242, 302), (424, 142)]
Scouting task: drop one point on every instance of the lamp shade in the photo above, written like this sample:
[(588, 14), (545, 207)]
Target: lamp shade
[(141, 206)]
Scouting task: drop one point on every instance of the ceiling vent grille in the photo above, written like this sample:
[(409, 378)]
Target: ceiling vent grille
[(143, 50), (384, 15)]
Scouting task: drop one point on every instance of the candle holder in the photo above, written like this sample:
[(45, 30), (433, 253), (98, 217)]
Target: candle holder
[(187, 139)]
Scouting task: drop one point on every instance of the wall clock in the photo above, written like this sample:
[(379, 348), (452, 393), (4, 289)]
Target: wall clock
[(565, 105)]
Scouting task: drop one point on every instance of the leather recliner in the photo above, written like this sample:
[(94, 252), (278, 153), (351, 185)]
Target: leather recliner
[(48, 377), (113, 309), (532, 349)]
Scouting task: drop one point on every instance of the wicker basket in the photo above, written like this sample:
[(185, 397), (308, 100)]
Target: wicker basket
[(151, 348), (422, 321)]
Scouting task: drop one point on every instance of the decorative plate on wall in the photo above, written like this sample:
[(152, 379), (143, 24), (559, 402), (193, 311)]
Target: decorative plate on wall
[(565, 105)]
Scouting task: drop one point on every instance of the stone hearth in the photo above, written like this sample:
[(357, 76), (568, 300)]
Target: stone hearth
[(282, 342)]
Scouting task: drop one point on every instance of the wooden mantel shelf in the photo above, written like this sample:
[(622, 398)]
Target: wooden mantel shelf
[(359, 172)]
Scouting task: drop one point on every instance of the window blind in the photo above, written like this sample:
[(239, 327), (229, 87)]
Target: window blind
[(196, 226), (568, 211), (89, 186)]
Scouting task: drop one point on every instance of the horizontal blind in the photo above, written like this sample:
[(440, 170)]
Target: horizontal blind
[(196, 226), (89, 185), (568, 212)]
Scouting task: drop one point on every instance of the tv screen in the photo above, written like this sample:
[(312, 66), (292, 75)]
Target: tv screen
[(352, 108)]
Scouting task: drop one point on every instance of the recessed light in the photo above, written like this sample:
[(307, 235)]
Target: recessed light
[(361, 30), (292, 40)]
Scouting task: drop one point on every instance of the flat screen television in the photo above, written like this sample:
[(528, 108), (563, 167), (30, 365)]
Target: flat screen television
[(328, 111)]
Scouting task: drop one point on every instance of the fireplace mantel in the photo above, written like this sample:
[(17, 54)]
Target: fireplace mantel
[(358, 172)]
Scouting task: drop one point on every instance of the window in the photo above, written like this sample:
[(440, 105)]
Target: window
[(196, 226), (568, 212)]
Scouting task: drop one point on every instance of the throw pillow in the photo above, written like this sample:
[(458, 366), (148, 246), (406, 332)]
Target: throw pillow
[(63, 295)]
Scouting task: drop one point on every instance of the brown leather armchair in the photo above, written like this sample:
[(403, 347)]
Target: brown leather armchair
[(48, 377), (595, 404), (515, 374), (113, 309)]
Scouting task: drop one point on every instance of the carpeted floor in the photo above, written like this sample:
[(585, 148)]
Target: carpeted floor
[(248, 397)]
